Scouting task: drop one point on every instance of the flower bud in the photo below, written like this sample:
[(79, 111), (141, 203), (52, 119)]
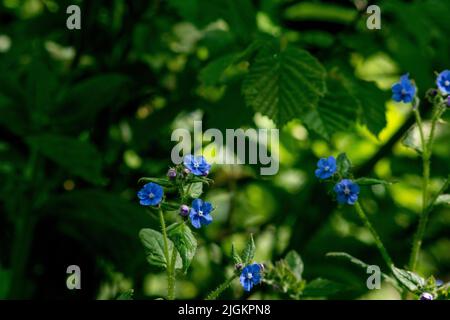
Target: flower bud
[(184, 210), (426, 296), (448, 101), (186, 171), (238, 266), (205, 173), (261, 265), (172, 173)]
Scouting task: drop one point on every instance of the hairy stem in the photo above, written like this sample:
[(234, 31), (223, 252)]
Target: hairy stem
[(218, 291), (171, 275), (379, 244), (169, 271), (426, 204)]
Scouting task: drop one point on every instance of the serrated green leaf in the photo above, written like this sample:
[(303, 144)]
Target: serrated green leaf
[(249, 251), (371, 181), (153, 243), (194, 190), (372, 102), (184, 241), (295, 264), (344, 165), (284, 84), (78, 157), (235, 256), (408, 279), (336, 112)]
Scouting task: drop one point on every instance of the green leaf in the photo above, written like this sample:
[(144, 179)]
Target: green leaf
[(372, 103), (443, 199), (249, 251), (194, 190), (127, 295), (361, 264), (344, 165), (88, 98), (320, 11), (408, 279), (412, 139), (184, 241), (42, 86), (284, 84), (163, 182), (78, 157), (153, 242), (348, 257), (322, 288), (235, 256), (371, 181), (336, 112), (213, 72), (295, 264)]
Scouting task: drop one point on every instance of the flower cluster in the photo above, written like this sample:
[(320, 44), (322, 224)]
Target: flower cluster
[(346, 190), (182, 177), (405, 91)]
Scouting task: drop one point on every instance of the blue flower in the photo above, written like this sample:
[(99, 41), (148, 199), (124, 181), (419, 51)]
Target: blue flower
[(403, 90), (250, 276), (346, 191), (200, 213), (326, 167), (443, 81), (197, 165), (151, 194)]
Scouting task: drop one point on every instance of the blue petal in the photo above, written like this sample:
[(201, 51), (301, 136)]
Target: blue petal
[(206, 219), (354, 188), (247, 284), (195, 221), (255, 268), (146, 202), (142, 194), (318, 173), (206, 207), (322, 162), (397, 97), (397, 88), (352, 199), (197, 204), (341, 198)]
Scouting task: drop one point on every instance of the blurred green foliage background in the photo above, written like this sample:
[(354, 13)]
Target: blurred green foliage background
[(85, 113)]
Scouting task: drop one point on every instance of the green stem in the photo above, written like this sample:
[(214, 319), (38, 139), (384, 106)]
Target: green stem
[(375, 235), (426, 155), (216, 293), (170, 274)]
